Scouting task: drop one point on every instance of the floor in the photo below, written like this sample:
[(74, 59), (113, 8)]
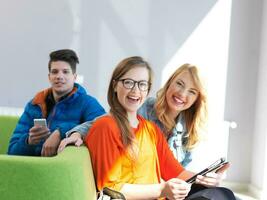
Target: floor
[(240, 190), (244, 196)]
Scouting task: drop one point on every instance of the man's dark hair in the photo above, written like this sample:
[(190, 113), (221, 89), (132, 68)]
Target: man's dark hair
[(66, 55)]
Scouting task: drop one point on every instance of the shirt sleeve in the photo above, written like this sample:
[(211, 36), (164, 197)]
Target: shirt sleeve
[(18, 142), (106, 149), (169, 166), (82, 128)]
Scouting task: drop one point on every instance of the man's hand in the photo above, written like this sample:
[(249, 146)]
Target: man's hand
[(37, 133), (75, 138), (51, 144)]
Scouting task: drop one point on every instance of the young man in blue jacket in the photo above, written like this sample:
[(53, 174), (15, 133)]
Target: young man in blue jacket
[(64, 105)]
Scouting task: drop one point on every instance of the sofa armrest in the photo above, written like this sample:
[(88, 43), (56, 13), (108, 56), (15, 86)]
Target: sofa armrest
[(68, 176)]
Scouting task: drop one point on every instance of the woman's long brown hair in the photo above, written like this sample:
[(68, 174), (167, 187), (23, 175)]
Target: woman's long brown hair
[(116, 109)]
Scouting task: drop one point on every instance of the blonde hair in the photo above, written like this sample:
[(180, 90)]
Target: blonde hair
[(195, 116), (116, 109)]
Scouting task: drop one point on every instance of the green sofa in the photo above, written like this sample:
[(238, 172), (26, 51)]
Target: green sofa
[(67, 176)]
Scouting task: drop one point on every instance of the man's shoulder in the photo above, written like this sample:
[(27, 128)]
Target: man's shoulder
[(83, 97), (88, 101), (82, 93)]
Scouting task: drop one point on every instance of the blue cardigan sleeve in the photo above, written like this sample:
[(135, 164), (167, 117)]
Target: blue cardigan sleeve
[(83, 128)]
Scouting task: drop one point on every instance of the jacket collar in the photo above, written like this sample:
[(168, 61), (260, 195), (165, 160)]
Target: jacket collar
[(40, 99)]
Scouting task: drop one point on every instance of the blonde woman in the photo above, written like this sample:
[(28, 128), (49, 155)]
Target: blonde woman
[(179, 110)]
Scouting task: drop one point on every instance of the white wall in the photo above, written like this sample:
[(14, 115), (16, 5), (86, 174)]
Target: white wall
[(242, 84), (102, 32), (259, 153)]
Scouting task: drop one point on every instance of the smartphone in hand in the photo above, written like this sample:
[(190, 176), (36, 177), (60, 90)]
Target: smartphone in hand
[(40, 122), (214, 167)]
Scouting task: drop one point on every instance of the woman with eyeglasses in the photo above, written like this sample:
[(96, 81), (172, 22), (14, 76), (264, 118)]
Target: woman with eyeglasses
[(129, 154)]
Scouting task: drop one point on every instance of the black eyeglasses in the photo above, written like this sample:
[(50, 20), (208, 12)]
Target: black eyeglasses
[(130, 83)]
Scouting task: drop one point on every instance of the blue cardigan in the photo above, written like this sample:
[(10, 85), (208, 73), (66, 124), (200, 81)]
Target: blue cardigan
[(178, 137), (75, 109)]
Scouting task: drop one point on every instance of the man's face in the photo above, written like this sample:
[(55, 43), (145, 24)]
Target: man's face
[(61, 78)]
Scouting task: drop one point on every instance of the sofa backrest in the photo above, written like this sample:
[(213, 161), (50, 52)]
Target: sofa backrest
[(7, 126)]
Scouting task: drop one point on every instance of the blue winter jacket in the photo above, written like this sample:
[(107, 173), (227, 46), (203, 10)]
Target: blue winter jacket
[(75, 109)]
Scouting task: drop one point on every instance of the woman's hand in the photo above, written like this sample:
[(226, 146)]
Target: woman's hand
[(175, 189), (75, 139), (212, 179)]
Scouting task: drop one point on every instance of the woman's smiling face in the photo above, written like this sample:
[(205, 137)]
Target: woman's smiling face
[(182, 93), (132, 99)]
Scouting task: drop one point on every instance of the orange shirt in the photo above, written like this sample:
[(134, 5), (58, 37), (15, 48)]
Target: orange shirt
[(113, 165)]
